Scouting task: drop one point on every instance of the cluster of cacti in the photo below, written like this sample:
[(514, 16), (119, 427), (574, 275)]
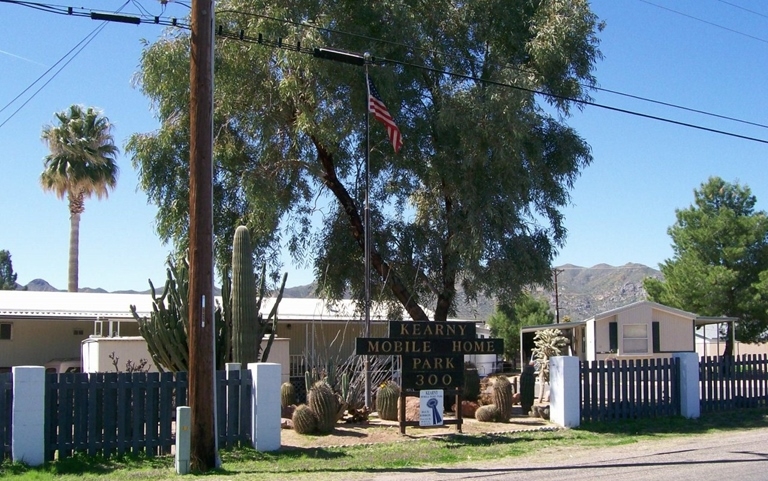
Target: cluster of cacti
[(387, 400), (488, 414), (502, 397), (471, 382), (304, 420), (287, 395), (325, 405), (166, 330), (527, 388), (248, 324), (549, 343)]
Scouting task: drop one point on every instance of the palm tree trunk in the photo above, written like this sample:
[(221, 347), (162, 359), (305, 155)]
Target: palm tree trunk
[(74, 251)]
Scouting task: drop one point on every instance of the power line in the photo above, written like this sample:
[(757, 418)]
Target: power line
[(79, 47), (522, 70), (742, 8), (716, 25), (298, 48)]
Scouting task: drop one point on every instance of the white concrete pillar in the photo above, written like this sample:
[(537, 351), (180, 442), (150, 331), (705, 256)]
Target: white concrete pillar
[(564, 394), (183, 439), (265, 405), (28, 415), (690, 403)]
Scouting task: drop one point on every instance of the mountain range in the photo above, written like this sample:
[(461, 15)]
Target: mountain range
[(581, 292)]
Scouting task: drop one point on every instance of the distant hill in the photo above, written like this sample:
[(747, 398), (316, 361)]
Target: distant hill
[(582, 292)]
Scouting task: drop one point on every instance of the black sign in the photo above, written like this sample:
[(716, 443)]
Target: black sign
[(432, 353), (382, 346), (432, 330)]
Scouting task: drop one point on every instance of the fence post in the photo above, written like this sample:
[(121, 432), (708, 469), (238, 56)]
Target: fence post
[(28, 415), (690, 404), (564, 398), (265, 405)]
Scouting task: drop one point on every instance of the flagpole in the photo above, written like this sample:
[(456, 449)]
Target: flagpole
[(367, 227)]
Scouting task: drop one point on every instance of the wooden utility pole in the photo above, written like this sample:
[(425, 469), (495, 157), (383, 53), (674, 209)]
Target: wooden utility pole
[(201, 322)]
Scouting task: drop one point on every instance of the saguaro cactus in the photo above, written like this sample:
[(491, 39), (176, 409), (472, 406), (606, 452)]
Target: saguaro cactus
[(248, 324)]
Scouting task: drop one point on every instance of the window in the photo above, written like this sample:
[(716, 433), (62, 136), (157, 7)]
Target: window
[(5, 331), (77, 332), (635, 339)]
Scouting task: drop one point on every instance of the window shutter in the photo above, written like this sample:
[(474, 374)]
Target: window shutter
[(613, 336), (656, 337)]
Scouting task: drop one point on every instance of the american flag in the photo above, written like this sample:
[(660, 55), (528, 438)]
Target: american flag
[(380, 113)]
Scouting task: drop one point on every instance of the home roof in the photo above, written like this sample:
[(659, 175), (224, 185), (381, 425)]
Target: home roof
[(94, 306), (654, 305), (562, 326)]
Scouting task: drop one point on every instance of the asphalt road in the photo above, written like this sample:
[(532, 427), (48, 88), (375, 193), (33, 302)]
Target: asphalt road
[(741, 455)]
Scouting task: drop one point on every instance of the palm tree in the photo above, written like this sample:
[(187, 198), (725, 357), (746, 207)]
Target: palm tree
[(81, 164)]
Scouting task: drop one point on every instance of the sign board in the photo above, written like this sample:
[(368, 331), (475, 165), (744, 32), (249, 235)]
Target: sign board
[(432, 353), (431, 407)]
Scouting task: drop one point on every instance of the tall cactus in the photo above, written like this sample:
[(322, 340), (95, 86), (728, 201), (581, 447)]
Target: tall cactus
[(248, 324), (502, 398), (166, 329), (527, 388)]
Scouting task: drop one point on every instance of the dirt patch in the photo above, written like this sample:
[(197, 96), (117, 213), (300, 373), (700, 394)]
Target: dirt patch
[(378, 431)]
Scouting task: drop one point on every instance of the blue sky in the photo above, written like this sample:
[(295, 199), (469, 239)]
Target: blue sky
[(709, 55)]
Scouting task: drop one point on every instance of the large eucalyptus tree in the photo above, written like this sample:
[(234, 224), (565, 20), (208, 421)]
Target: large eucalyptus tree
[(82, 163), (480, 91)]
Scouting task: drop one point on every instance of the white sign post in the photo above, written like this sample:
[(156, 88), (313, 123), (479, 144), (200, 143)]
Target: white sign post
[(431, 407)]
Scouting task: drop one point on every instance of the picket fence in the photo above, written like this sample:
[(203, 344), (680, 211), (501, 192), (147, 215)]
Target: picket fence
[(629, 389), (120, 413), (733, 382)]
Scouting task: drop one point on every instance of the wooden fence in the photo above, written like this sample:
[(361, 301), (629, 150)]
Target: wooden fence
[(117, 413), (6, 396), (629, 389), (733, 382)]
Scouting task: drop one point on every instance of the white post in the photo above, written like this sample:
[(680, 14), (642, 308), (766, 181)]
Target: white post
[(265, 405), (564, 397), (690, 406), (28, 415), (183, 438)]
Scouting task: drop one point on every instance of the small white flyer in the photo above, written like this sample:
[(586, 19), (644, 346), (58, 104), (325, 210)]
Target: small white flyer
[(431, 407)]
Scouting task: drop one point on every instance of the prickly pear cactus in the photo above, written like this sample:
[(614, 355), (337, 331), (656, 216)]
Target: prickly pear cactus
[(488, 414), (304, 420), (527, 388), (287, 395), (325, 405), (386, 401), (502, 397)]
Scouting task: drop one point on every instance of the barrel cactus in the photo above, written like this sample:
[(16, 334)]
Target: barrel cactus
[(386, 401), (527, 388), (325, 405), (488, 414), (502, 397), (287, 395), (304, 420)]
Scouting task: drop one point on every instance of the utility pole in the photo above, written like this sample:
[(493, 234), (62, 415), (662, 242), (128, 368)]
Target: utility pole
[(557, 301), (201, 322)]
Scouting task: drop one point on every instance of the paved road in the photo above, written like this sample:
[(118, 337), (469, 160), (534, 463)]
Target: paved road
[(739, 455)]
